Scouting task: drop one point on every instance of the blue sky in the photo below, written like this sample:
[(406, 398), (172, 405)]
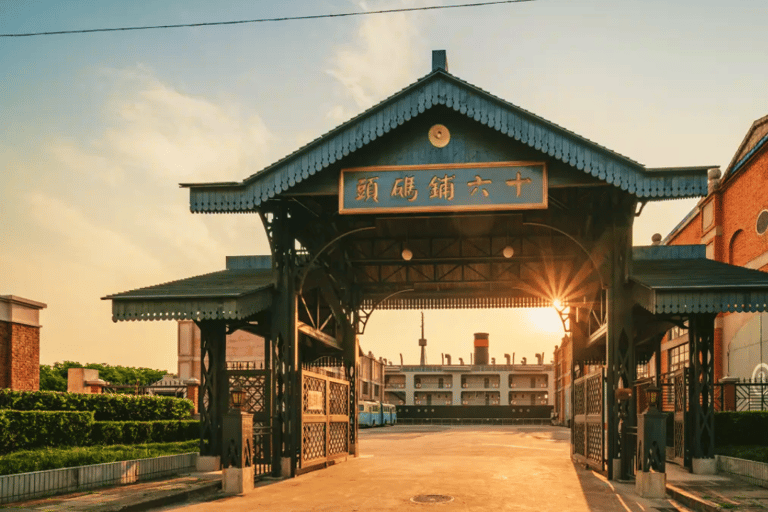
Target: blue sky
[(98, 130)]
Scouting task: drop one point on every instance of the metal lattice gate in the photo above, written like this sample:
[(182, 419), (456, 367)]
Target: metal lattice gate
[(256, 383), (680, 390), (324, 419), (588, 434)]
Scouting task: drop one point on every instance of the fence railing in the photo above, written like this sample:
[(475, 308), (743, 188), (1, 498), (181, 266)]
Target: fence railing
[(741, 396), (26, 486)]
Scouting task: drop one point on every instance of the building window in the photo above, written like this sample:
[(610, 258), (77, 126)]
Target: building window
[(761, 226), (533, 382), (677, 331), (487, 382), (440, 383), (678, 357)]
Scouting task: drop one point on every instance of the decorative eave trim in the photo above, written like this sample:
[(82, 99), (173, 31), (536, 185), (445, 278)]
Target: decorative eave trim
[(441, 88), (693, 302), (238, 308)]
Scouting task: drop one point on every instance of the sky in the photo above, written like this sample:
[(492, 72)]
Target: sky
[(97, 131)]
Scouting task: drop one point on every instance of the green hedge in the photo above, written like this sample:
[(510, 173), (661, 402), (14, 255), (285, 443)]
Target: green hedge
[(106, 407), (24, 430), (135, 432), (741, 428), (55, 458), (27, 430), (748, 452)]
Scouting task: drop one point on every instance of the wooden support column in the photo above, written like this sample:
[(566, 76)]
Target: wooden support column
[(286, 356), (351, 358), (620, 360), (214, 389), (701, 402)]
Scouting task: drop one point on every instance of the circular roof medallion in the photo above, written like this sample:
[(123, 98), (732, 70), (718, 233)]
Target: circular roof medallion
[(439, 136), (762, 222)]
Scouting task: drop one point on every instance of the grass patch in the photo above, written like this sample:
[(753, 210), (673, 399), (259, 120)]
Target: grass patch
[(749, 452), (55, 458)]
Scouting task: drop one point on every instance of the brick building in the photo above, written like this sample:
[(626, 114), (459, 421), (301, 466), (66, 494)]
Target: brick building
[(20, 343), (732, 222)]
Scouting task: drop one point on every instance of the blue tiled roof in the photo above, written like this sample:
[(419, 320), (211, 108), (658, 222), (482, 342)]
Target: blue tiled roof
[(441, 88)]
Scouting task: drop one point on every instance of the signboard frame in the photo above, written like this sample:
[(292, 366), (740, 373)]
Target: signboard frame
[(540, 203)]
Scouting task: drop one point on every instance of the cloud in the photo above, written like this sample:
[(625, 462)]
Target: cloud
[(178, 136), (84, 242), (380, 60), (111, 203)]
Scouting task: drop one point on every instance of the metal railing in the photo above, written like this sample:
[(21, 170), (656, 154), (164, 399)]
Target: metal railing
[(741, 396), (26, 486)]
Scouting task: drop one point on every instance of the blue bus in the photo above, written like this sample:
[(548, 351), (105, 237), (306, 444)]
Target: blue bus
[(375, 414)]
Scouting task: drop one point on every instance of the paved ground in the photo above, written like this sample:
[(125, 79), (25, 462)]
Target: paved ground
[(480, 468)]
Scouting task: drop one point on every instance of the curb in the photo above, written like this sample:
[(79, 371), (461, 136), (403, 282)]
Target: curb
[(692, 501), (169, 499)]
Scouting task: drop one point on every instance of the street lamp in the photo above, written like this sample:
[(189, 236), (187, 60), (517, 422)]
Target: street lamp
[(238, 397), (652, 396)]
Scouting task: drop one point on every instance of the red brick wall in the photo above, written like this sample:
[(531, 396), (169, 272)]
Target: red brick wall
[(718, 353), (5, 355), (743, 199), (690, 234), (19, 357)]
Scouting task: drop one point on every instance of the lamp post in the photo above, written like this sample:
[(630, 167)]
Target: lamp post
[(651, 480), (237, 459), (623, 395)]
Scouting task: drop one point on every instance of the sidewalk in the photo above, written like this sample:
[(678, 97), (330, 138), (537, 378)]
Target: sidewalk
[(482, 468), (708, 493), (128, 498)]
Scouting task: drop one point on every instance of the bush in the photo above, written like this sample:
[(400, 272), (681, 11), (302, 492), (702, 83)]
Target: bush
[(135, 432), (756, 453), (106, 407), (54, 458), (741, 428), (24, 430)]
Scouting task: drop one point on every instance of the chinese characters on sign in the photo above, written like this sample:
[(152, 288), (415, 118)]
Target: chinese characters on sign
[(450, 187)]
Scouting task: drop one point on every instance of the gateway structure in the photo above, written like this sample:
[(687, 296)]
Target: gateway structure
[(445, 196)]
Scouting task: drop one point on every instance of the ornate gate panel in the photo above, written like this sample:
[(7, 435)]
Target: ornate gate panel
[(588, 432), (256, 383), (680, 392), (324, 419)]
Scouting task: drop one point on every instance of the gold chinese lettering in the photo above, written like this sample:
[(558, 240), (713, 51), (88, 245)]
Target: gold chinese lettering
[(405, 188), (441, 188), (477, 184), (518, 182), (368, 188)]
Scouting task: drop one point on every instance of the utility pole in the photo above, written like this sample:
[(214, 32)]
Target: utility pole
[(423, 342)]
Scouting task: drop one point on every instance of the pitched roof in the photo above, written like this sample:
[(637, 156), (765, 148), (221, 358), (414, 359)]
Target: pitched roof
[(756, 137), (227, 294), (441, 88), (680, 279)]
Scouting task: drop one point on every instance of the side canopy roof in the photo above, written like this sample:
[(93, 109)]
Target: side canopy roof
[(679, 279), (242, 290), (442, 88)]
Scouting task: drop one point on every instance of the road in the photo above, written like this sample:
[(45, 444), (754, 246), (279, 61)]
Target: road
[(492, 468)]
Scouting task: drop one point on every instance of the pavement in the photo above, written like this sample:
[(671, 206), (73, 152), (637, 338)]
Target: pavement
[(471, 468)]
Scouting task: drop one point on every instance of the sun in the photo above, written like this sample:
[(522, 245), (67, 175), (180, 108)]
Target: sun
[(545, 320)]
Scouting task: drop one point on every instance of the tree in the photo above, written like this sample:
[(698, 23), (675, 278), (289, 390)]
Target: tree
[(54, 378)]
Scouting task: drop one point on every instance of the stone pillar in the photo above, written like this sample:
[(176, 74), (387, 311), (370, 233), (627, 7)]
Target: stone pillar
[(19, 343), (729, 393), (192, 385)]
